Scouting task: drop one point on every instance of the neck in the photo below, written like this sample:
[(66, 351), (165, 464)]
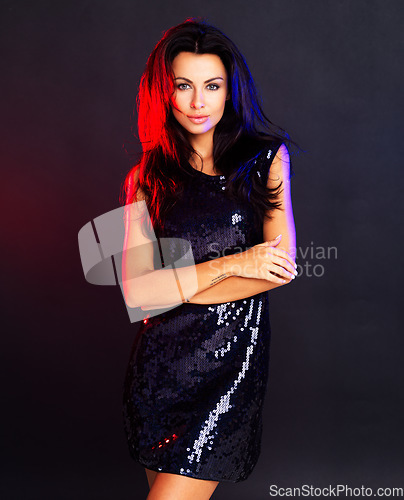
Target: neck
[(203, 144)]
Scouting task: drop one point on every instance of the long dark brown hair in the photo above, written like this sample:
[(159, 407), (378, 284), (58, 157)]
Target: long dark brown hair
[(241, 134)]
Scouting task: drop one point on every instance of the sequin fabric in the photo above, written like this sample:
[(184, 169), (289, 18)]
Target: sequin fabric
[(197, 375)]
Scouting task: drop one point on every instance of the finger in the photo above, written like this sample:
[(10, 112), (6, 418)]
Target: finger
[(283, 279), (274, 276), (275, 241), (286, 265), (280, 252), (283, 273)]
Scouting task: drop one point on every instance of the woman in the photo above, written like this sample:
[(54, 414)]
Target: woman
[(197, 375)]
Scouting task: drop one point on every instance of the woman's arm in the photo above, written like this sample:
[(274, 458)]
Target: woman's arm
[(144, 286), (237, 287), (234, 288), (282, 222)]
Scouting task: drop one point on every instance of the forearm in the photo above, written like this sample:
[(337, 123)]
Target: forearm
[(238, 287), (233, 288), (171, 286)]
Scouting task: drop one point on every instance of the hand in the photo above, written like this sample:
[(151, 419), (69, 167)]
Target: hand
[(264, 261)]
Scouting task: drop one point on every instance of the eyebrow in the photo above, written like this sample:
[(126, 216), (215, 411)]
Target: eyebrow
[(190, 81)]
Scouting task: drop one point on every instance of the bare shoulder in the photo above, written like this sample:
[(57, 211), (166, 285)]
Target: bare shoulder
[(281, 162)]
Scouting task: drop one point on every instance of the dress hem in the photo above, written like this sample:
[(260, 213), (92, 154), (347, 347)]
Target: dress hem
[(220, 480)]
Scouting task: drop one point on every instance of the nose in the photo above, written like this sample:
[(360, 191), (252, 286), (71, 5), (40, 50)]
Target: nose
[(197, 101)]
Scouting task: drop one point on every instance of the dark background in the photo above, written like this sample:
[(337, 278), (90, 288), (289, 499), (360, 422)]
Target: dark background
[(331, 73)]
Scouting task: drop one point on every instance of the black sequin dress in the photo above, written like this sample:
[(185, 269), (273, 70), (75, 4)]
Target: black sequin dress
[(196, 380)]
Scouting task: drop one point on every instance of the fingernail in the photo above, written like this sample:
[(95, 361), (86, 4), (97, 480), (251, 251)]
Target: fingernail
[(279, 235)]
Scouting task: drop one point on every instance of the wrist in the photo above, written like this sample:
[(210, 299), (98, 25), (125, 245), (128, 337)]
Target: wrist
[(229, 265)]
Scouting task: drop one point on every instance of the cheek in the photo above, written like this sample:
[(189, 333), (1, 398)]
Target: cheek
[(178, 114), (176, 110), (179, 100), (220, 101)]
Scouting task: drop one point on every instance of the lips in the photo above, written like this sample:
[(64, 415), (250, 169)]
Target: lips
[(198, 119)]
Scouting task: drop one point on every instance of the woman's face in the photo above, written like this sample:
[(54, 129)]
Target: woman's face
[(200, 88)]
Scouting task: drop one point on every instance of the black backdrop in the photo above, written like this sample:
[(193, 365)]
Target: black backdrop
[(330, 72)]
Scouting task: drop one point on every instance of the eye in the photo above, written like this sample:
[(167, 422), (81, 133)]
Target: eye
[(216, 87)]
